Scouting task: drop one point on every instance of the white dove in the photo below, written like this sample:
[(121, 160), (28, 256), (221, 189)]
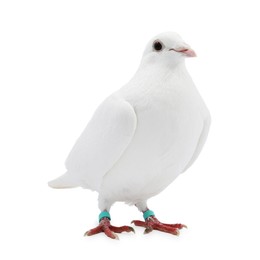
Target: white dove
[(141, 137)]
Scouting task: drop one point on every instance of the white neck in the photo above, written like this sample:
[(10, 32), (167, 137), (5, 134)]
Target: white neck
[(158, 72)]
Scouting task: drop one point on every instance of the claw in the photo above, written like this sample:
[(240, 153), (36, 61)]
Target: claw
[(86, 234), (131, 229), (116, 236), (177, 232), (148, 230)]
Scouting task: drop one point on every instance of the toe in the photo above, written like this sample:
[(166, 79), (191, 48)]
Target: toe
[(111, 234), (179, 226), (122, 229), (139, 223), (93, 231), (167, 229)]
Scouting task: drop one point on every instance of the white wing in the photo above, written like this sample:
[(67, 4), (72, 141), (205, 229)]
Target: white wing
[(101, 144), (201, 142)]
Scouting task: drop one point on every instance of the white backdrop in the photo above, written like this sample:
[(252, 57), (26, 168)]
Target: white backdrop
[(59, 60)]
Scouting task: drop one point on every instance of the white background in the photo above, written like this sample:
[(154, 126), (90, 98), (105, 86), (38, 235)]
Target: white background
[(59, 60)]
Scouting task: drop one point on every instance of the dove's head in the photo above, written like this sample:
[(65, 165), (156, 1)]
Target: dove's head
[(168, 48)]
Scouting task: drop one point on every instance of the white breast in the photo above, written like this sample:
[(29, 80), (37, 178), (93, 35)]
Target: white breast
[(169, 124)]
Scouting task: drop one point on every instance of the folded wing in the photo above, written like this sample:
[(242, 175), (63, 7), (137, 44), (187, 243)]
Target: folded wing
[(100, 146)]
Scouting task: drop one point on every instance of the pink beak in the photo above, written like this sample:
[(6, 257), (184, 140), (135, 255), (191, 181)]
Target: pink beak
[(187, 52)]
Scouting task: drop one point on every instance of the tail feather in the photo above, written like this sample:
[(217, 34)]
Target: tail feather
[(63, 182)]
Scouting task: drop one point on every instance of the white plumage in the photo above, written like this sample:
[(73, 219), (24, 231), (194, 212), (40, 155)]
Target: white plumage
[(143, 135)]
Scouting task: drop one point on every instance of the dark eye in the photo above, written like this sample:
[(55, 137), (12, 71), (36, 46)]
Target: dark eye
[(157, 45)]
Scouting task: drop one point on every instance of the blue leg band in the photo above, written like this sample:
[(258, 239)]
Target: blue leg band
[(148, 213), (104, 214)]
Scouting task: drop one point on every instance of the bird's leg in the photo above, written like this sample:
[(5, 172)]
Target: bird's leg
[(107, 228), (152, 223)]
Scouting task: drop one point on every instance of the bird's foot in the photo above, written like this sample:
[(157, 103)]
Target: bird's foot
[(108, 229), (152, 223)]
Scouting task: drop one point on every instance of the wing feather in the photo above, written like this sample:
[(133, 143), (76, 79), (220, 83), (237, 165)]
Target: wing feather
[(201, 142), (102, 143)]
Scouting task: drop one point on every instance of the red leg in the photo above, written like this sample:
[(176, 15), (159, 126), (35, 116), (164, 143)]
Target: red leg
[(108, 229), (152, 223)]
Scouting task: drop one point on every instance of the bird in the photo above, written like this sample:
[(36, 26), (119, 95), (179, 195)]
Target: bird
[(141, 137)]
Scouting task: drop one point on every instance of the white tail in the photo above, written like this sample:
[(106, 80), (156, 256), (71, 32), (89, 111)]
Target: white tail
[(63, 182)]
